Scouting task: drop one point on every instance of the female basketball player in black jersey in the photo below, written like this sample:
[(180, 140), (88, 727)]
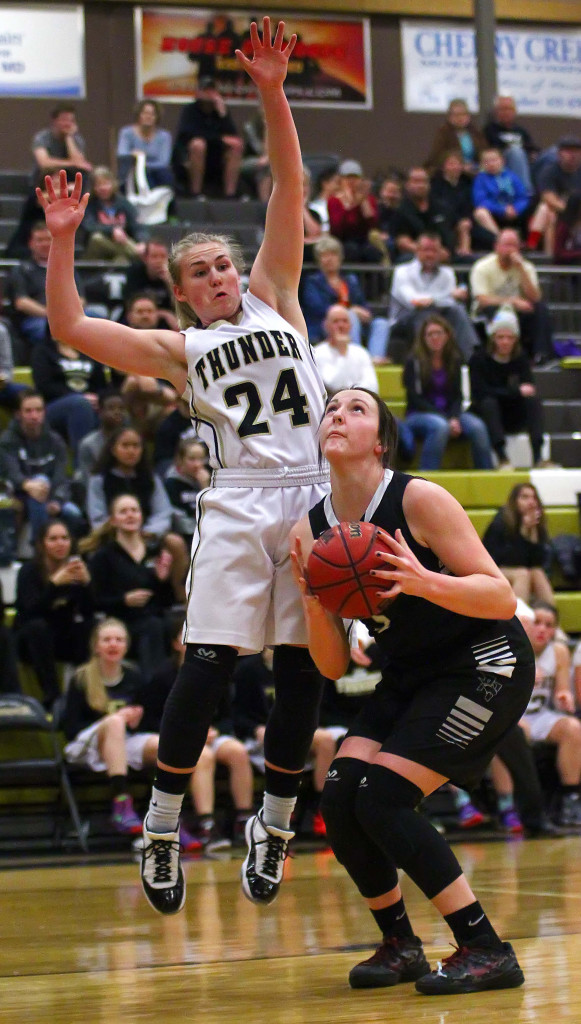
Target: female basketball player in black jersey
[(458, 673)]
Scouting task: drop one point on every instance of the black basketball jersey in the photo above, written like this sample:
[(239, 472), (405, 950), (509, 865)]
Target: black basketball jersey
[(414, 630)]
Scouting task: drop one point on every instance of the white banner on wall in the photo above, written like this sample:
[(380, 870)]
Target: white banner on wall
[(42, 51), (540, 68)]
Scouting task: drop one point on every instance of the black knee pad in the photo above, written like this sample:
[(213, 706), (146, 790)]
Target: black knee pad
[(192, 702), (298, 688), (385, 808), (368, 866)]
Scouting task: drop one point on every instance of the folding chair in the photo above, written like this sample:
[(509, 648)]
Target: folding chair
[(32, 729)]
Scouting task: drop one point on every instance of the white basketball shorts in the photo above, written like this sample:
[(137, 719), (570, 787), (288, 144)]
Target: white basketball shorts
[(240, 587)]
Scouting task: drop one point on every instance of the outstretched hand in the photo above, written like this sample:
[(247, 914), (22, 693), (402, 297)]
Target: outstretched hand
[(269, 63), (63, 212)]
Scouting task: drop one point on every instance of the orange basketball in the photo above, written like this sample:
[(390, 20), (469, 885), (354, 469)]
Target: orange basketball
[(338, 570)]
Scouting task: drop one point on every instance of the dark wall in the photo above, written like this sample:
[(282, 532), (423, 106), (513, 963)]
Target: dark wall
[(380, 137)]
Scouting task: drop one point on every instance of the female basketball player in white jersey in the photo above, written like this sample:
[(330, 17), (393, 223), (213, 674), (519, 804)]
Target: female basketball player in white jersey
[(457, 673), (256, 399)]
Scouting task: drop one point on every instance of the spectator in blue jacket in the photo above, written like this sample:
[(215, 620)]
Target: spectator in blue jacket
[(501, 199), (330, 285)]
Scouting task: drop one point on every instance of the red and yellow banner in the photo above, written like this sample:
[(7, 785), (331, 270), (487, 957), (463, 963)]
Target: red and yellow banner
[(175, 48)]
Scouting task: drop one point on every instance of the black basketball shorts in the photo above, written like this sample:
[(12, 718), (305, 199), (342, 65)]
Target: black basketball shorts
[(451, 723)]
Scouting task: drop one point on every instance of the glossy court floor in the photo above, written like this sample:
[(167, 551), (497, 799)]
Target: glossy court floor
[(79, 944)]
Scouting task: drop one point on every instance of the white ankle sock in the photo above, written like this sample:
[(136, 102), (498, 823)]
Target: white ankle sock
[(277, 810), (163, 814)]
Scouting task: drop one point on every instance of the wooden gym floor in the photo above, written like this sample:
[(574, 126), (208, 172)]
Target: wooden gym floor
[(79, 944)]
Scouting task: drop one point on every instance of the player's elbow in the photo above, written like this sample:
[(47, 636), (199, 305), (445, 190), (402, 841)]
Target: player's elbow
[(506, 606)]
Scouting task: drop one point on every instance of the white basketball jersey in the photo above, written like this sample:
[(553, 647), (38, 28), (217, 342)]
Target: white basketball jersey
[(543, 692), (256, 396)]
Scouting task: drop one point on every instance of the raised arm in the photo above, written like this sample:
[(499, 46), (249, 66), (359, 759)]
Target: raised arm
[(276, 271), (152, 353)]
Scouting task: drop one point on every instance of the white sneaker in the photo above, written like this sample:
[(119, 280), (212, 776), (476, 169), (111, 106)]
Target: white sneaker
[(162, 877), (264, 865)]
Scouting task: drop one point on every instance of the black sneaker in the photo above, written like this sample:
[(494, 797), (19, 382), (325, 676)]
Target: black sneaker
[(570, 812), (267, 851), (394, 961), (162, 877), (212, 839), (476, 967)]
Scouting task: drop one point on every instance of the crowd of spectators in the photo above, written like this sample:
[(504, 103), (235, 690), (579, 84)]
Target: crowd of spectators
[(104, 471)]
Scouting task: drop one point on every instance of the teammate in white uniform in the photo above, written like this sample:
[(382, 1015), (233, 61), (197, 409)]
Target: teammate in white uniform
[(256, 398), (550, 715)]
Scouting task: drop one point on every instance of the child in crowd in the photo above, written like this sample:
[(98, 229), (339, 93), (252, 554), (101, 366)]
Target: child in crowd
[(184, 480)]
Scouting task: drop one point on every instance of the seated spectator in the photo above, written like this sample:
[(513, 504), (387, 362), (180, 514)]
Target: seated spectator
[(504, 278), (432, 383), (27, 287), (517, 539), (36, 462), (60, 145), (255, 170), (340, 363), (353, 215), (70, 383), (423, 286), (145, 136), (184, 480), (419, 213), (101, 720), (222, 747), (123, 468), (251, 706), (389, 196), (130, 574), (558, 180), (567, 247), (550, 715), (172, 429), (499, 196), (9, 675), (457, 133), (451, 188), (31, 214), (207, 143), (328, 184), (54, 607), (576, 675), (330, 284), (9, 389), (112, 413), (110, 222), (311, 221), (514, 142), (503, 389), (150, 275), (147, 399)]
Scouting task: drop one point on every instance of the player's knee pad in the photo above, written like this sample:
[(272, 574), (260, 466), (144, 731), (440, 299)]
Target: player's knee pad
[(370, 869), (191, 705), (386, 810), (298, 688)]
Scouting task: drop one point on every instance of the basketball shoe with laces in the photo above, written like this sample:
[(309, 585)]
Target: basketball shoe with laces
[(264, 864), (476, 967), (396, 960), (161, 871)]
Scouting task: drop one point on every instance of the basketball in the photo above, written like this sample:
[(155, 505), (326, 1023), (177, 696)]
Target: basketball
[(338, 570)]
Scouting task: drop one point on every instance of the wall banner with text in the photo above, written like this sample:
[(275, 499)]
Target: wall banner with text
[(42, 51), (540, 68), (176, 47)]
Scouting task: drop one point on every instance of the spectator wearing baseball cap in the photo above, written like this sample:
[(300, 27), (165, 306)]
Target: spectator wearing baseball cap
[(353, 216), (557, 181)]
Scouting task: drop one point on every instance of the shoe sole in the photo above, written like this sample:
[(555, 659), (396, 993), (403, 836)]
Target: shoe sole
[(398, 979), (512, 980)]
